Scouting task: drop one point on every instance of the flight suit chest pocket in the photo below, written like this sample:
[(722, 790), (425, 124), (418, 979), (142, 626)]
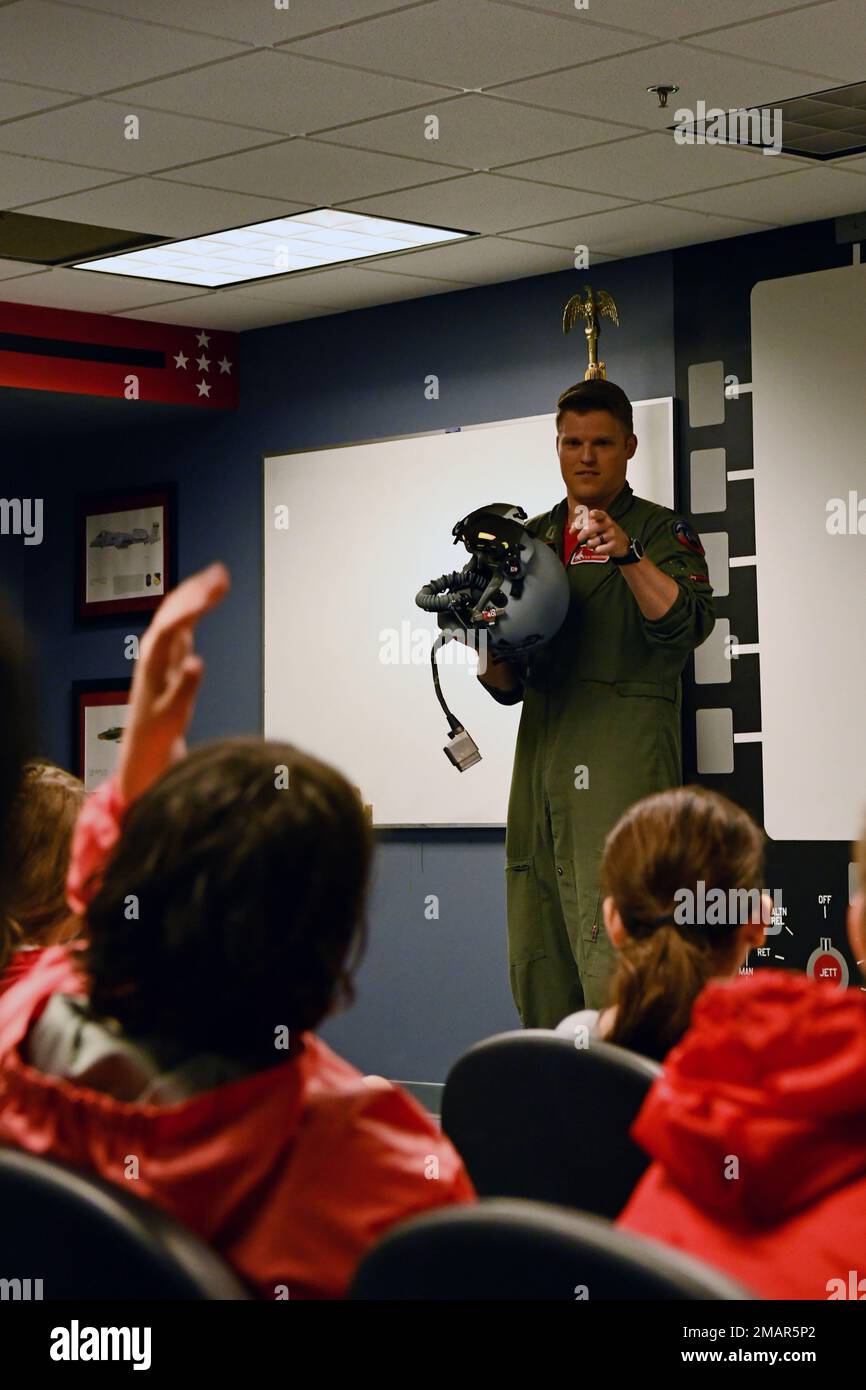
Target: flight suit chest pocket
[(523, 900)]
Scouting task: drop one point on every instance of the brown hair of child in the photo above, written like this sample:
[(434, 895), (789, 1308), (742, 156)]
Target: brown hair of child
[(234, 904), (673, 841), (41, 823)]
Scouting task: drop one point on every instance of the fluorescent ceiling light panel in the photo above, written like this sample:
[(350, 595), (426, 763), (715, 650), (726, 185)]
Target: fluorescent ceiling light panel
[(279, 247)]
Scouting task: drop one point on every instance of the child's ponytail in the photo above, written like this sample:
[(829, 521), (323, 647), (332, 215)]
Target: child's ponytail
[(668, 851), (657, 980)]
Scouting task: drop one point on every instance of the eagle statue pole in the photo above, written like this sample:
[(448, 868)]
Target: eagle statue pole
[(584, 306)]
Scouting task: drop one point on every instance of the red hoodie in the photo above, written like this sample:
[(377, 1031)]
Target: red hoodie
[(22, 961), (291, 1173), (758, 1132)]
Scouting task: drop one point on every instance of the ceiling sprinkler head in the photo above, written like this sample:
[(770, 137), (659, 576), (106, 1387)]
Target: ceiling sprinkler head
[(663, 90)]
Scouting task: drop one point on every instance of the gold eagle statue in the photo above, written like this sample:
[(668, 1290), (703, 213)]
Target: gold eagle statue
[(584, 306)]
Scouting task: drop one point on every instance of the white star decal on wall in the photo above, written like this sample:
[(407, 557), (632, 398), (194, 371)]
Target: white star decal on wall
[(202, 339), (203, 363), (180, 360), (225, 366), (204, 388)]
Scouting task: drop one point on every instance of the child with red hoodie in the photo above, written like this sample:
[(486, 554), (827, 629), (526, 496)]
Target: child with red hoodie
[(224, 898), (758, 1133)]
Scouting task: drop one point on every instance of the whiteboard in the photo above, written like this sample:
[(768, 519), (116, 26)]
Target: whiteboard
[(346, 652), (809, 412)]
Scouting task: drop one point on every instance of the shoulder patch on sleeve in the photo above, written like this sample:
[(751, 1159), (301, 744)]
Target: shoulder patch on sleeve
[(687, 536)]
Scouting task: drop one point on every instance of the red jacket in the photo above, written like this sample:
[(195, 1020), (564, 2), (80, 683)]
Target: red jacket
[(18, 967), (758, 1132), (291, 1173)]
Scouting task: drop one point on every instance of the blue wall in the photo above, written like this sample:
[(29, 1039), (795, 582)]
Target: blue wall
[(427, 989)]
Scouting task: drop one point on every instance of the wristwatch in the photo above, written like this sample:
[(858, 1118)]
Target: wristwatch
[(634, 553)]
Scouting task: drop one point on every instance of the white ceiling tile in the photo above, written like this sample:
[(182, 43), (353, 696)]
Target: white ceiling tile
[(615, 89), (592, 252), (559, 234), (831, 39), (23, 180), (350, 287), (647, 167), (84, 289), (309, 171), (478, 132), (93, 133), (159, 208), (804, 196), (485, 203), (16, 99), (588, 170), (466, 43), (310, 289), (654, 231), (273, 90), (669, 19), (10, 269), (64, 46), (483, 261), (230, 311), (639, 229), (246, 21)]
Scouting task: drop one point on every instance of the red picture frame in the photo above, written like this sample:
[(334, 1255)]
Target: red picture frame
[(139, 528), (87, 695)]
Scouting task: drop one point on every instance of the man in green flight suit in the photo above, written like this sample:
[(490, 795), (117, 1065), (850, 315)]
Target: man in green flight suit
[(600, 725)]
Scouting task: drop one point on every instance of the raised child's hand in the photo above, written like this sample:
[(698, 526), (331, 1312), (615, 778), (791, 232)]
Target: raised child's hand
[(166, 681)]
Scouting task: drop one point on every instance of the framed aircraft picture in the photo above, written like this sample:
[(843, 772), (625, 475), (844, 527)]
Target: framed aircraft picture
[(125, 551), (99, 714)]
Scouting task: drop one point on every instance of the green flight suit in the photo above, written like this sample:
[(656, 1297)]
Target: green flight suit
[(604, 696)]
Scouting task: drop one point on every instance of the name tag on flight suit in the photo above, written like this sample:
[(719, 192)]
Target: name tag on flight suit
[(584, 556)]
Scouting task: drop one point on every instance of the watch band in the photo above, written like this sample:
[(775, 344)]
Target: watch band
[(634, 553)]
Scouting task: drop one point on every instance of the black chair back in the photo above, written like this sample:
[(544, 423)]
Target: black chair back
[(534, 1116), (523, 1251), (85, 1238)]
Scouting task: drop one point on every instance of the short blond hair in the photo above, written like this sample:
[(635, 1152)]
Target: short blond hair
[(41, 823)]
